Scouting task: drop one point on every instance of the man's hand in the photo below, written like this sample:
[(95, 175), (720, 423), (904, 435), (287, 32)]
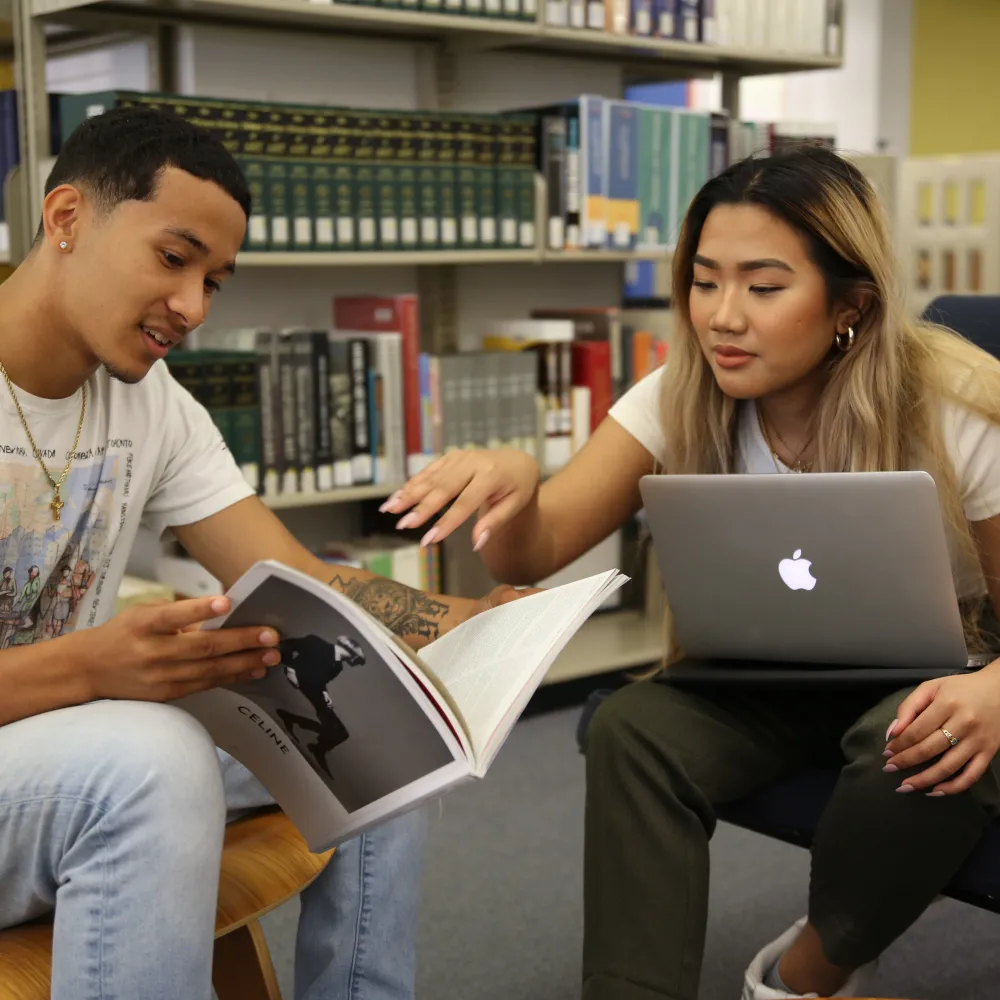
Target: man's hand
[(158, 652), (968, 707)]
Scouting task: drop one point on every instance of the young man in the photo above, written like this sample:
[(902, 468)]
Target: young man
[(112, 803)]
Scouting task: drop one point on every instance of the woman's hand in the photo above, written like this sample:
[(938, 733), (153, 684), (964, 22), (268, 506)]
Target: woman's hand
[(968, 707), (498, 483)]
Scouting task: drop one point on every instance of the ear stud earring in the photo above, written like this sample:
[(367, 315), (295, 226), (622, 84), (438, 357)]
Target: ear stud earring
[(63, 245)]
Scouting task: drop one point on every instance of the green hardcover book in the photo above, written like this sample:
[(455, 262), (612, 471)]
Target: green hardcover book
[(276, 143), (345, 200), (218, 399), (300, 183), (432, 5), (321, 180), (365, 181), (406, 181), (526, 140), (447, 180), (507, 182), (486, 139), (245, 415), (466, 172), (386, 141), (254, 171), (428, 188), (692, 157), (653, 162)]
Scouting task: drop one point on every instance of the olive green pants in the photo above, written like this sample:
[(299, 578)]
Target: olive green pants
[(659, 759)]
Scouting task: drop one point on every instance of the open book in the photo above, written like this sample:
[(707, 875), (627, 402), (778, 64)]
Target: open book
[(353, 726)]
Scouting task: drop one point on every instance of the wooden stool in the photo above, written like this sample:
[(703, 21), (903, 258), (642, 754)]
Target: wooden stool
[(265, 862)]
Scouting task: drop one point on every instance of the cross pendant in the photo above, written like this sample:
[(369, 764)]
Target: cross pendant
[(57, 506)]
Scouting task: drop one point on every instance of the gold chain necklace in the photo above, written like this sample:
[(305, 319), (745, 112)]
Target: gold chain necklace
[(796, 465), (56, 504)]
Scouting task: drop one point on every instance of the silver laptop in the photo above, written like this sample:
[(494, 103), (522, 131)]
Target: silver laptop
[(842, 570)]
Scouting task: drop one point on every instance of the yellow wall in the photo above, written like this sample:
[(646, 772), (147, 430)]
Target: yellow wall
[(954, 83)]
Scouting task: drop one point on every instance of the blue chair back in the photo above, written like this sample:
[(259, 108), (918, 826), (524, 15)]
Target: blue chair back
[(975, 317)]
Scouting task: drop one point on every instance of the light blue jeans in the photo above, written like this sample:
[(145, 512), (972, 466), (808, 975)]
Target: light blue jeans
[(114, 812)]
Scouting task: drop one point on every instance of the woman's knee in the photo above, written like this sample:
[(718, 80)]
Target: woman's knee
[(866, 739)]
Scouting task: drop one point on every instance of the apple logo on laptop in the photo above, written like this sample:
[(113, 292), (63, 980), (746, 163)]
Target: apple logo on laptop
[(795, 572)]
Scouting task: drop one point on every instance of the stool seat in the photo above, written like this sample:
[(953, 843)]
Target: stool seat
[(265, 862)]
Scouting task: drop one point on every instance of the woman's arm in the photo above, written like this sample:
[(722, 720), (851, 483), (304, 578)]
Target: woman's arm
[(583, 503)]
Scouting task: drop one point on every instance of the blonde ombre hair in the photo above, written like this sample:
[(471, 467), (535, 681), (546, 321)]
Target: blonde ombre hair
[(881, 407)]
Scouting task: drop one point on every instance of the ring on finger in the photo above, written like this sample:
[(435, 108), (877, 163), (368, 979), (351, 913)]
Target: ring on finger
[(953, 740)]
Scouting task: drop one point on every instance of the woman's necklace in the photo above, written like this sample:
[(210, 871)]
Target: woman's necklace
[(797, 464), (56, 504)]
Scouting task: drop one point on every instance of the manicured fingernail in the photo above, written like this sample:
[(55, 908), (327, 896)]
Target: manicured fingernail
[(890, 769), (889, 731), (935, 795), (219, 605), (271, 658), (267, 638), (888, 753), (406, 522), (905, 789), (391, 502), (430, 538), (483, 539)]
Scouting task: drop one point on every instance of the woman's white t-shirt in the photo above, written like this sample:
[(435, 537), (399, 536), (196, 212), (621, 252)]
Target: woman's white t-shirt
[(972, 443)]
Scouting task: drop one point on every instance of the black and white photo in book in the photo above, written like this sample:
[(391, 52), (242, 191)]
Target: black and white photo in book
[(342, 708)]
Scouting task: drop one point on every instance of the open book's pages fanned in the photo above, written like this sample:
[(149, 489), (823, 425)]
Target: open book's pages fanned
[(353, 727)]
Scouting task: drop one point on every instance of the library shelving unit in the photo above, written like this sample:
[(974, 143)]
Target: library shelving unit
[(612, 640)]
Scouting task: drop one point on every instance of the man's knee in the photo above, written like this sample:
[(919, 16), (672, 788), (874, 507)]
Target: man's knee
[(150, 757)]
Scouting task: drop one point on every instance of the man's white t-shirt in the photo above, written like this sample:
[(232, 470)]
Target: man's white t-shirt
[(972, 443), (148, 453)]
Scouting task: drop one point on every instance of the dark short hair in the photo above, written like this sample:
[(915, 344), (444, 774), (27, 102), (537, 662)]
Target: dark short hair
[(119, 156)]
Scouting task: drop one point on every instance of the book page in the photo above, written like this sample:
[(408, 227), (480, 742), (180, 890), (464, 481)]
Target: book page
[(487, 662)]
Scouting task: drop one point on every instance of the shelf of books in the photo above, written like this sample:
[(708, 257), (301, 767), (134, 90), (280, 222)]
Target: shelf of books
[(609, 641), (320, 498), (658, 43)]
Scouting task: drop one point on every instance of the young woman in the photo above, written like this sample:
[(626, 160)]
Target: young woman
[(792, 353)]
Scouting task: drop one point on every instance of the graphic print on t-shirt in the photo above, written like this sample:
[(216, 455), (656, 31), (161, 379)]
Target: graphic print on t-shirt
[(47, 567)]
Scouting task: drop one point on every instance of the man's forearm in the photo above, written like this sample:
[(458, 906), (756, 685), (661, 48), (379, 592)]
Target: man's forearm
[(41, 678), (416, 617)]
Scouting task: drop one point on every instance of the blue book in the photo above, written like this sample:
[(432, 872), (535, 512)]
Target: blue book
[(622, 174), (593, 175)]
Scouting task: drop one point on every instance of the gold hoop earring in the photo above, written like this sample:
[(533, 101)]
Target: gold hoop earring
[(845, 341)]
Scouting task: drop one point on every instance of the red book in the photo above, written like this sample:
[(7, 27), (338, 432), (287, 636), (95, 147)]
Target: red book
[(592, 368), (390, 314)]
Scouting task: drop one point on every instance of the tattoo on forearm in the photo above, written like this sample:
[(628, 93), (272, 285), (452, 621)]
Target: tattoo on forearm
[(401, 609)]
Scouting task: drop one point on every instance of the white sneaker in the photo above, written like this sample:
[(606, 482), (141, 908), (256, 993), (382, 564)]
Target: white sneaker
[(753, 980)]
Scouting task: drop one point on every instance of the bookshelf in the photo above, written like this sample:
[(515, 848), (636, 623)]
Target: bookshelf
[(445, 76), (659, 58), (432, 258), (347, 494)]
